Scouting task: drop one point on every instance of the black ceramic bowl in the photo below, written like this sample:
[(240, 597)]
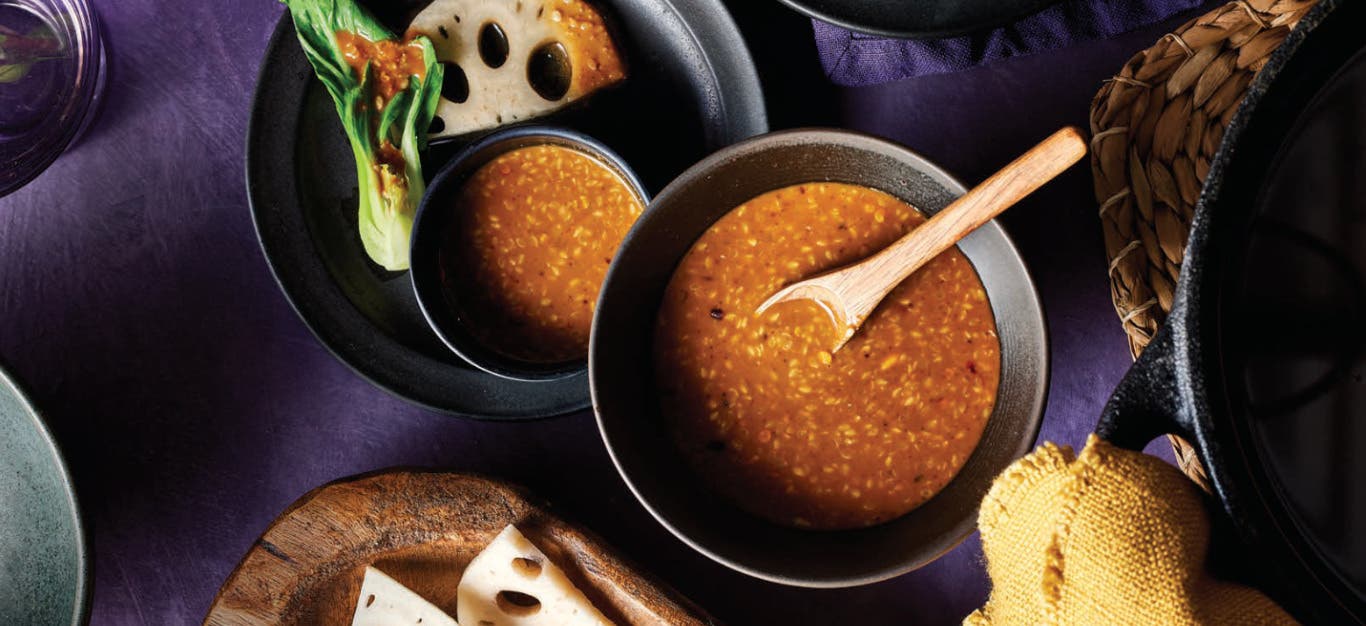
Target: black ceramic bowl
[(432, 228), (621, 371)]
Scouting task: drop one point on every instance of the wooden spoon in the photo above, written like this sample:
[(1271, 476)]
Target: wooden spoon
[(849, 294)]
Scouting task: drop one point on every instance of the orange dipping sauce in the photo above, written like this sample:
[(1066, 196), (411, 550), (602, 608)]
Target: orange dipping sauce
[(773, 421), (536, 230), (391, 63)]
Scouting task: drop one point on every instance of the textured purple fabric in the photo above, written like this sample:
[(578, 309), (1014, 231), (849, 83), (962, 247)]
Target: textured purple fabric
[(853, 58), (193, 405)]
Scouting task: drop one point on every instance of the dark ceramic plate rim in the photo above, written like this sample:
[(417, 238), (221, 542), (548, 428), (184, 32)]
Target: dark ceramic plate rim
[(969, 524), (309, 287), (850, 20), (81, 608)]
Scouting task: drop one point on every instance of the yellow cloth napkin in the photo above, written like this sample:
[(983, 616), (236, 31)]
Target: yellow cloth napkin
[(1108, 537)]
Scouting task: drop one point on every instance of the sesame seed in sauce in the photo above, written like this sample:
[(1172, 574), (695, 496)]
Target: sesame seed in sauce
[(841, 440), (532, 224)]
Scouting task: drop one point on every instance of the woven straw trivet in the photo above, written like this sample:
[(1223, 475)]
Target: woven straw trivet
[(1154, 129)]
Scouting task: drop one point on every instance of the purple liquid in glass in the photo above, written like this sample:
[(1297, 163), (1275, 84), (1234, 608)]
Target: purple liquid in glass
[(51, 71)]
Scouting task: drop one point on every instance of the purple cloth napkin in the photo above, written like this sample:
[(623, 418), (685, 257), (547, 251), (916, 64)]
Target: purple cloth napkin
[(851, 58)]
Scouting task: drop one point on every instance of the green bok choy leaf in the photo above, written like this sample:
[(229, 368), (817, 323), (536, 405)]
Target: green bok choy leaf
[(385, 136)]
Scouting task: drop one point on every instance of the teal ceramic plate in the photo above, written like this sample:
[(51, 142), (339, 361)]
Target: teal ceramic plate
[(44, 574)]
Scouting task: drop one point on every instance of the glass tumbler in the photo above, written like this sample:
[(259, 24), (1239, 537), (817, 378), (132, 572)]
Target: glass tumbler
[(51, 75)]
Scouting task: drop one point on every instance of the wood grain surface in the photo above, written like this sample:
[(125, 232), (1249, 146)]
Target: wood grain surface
[(421, 528)]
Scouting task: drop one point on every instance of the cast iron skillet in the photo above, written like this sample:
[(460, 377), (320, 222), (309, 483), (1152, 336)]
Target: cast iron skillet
[(621, 364), (918, 19), (1254, 273), (692, 89)]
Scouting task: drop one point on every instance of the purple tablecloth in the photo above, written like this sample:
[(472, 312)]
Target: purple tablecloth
[(193, 405), (853, 58)]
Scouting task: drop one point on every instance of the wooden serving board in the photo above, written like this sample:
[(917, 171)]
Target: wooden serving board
[(422, 528)]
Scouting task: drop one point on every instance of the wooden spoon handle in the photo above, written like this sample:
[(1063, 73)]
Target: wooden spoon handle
[(1013, 182)]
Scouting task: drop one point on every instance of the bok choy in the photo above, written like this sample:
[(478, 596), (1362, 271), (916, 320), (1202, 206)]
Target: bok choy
[(385, 91)]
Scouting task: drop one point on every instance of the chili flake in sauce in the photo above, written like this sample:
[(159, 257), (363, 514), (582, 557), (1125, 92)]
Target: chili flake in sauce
[(770, 419), (537, 228)]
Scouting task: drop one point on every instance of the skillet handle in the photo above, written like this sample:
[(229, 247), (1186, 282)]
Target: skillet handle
[(1147, 403)]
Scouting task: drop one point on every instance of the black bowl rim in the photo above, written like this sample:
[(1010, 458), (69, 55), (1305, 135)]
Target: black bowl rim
[(1029, 434), (851, 19), (456, 172)]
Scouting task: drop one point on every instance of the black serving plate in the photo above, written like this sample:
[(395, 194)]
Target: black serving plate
[(920, 19), (692, 88)]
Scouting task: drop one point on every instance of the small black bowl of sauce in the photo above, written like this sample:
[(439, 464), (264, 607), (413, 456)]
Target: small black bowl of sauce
[(511, 244)]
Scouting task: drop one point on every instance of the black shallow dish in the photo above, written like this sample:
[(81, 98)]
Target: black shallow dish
[(1260, 364), (919, 19), (620, 363), (692, 88), (432, 227)]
